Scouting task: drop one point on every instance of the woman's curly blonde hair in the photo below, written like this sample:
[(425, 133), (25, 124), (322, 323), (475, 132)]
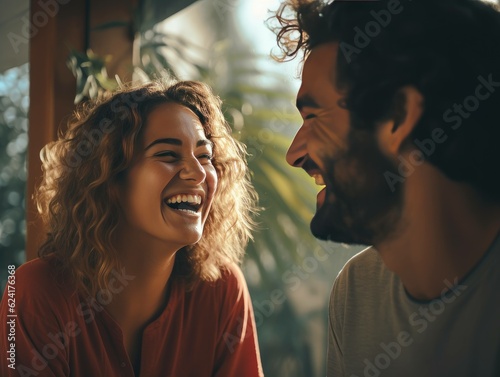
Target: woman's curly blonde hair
[(77, 199)]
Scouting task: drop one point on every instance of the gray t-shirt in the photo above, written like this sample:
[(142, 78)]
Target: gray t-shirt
[(376, 329)]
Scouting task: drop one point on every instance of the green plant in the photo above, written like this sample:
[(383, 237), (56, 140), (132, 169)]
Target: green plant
[(260, 116)]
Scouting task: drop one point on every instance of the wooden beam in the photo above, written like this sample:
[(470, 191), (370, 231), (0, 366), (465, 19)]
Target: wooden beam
[(115, 42), (52, 89), (52, 85)]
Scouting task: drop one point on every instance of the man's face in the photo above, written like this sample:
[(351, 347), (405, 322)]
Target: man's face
[(356, 205)]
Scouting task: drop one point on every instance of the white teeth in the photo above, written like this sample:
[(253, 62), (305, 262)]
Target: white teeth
[(196, 199), (318, 179), (186, 210)]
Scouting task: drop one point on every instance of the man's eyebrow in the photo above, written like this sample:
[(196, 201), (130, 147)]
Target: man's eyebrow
[(306, 101), (178, 142)]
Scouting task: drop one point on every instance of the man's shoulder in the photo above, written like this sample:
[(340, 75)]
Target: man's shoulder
[(366, 263), (365, 274)]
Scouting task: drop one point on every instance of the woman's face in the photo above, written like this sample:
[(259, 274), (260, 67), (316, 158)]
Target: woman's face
[(169, 188)]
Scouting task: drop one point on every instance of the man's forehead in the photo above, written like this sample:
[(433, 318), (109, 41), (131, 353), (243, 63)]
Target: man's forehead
[(321, 59), (318, 71), (320, 64)]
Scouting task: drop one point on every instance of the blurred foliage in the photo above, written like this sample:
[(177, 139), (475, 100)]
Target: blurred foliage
[(259, 106), (158, 50), (91, 75), (14, 103), (259, 115)]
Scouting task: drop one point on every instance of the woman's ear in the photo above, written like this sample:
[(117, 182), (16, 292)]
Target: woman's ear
[(394, 133)]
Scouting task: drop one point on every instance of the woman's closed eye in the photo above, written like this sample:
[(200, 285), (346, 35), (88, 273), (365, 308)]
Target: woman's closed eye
[(205, 157), (166, 154)]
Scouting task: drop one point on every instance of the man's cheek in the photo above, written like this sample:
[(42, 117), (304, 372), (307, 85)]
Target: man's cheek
[(328, 135)]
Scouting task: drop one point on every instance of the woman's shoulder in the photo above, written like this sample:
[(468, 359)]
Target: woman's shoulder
[(43, 271), (40, 280), (37, 266), (230, 286), (232, 278)]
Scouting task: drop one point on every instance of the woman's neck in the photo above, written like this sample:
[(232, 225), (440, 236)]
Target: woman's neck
[(144, 298)]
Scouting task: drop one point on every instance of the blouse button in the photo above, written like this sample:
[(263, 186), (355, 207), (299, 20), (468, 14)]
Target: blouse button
[(123, 364)]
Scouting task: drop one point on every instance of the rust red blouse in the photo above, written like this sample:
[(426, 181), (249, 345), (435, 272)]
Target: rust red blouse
[(209, 331)]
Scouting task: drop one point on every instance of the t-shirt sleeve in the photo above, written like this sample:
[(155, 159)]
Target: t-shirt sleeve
[(31, 329), (237, 352), (335, 358)]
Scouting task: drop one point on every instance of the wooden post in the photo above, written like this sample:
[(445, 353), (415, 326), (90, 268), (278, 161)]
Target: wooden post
[(52, 89), (116, 41), (52, 85)]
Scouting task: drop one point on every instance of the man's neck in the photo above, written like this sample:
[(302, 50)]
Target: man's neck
[(447, 229)]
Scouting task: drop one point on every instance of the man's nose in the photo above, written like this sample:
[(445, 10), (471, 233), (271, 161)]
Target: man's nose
[(298, 149)]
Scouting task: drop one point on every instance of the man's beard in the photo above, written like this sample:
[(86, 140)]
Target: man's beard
[(360, 207)]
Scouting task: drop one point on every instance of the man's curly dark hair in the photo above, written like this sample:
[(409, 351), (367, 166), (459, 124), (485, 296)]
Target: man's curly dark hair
[(443, 48)]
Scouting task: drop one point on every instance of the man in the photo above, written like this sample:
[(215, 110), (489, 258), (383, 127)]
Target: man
[(401, 109)]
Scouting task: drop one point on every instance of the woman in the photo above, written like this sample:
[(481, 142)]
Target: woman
[(148, 206)]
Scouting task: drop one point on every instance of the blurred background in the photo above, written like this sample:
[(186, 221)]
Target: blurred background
[(225, 43)]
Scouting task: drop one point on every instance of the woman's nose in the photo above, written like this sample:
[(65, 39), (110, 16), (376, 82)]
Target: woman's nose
[(193, 170)]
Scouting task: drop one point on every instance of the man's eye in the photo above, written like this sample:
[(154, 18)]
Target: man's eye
[(342, 103)]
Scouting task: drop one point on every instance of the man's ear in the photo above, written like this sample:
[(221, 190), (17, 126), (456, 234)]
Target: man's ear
[(394, 133)]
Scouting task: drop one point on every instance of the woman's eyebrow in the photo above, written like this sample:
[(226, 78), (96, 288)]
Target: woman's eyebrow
[(165, 141), (203, 142), (178, 142)]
